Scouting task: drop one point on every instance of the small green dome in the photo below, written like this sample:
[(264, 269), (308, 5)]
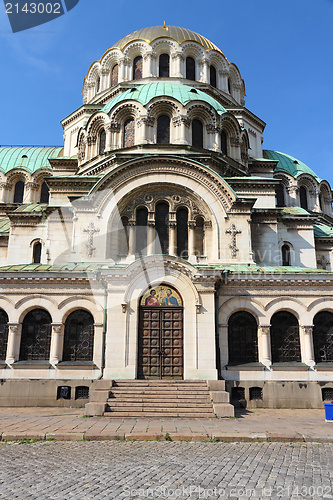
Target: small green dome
[(28, 158), (289, 164), (182, 93)]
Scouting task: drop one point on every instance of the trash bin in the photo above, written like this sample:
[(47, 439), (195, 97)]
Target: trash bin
[(328, 411)]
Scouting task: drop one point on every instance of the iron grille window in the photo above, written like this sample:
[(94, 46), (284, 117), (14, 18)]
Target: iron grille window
[(164, 64), (82, 392), (237, 393), (327, 394), (255, 393), (197, 134), (64, 392), (212, 71), (242, 338), (190, 68), (285, 338), (36, 336), (163, 130), (79, 336), (44, 193), (3, 334), (323, 337)]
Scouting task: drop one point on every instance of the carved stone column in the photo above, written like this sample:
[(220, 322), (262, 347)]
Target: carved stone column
[(191, 241), (293, 194), (131, 237), (108, 140), (172, 237), (30, 192), (205, 71), (105, 80), (315, 193), (178, 59), (307, 344), (57, 343), (14, 341), (151, 237), (207, 226), (224, 79), (264, 344)]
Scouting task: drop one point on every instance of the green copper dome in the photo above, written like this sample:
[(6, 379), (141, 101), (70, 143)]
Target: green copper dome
[(182, 93), (28, 158), (289, 164)]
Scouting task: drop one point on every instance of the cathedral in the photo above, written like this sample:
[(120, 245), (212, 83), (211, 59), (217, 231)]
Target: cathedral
[(163, 242)]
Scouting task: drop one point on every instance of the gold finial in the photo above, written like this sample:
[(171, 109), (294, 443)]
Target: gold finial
[(165, 28)]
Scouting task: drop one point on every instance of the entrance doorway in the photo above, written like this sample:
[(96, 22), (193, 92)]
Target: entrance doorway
[(160, 334)]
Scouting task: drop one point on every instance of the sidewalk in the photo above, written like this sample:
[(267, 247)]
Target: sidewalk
[(249, 425)]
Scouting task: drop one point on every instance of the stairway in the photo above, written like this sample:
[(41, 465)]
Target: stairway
[(158, 398)]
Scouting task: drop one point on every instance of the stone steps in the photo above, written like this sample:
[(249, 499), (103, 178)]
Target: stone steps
[(159, 399)]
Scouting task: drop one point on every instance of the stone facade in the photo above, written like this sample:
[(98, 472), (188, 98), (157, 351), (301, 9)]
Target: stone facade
[(233, 229)]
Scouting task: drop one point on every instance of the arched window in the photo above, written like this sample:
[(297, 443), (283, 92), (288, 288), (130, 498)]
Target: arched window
[(164, 66), (141, 231), (129, 133), (114, 75), (321, 204), (285, 338), (79, 336), (3, 334), (242, 338), (197, 134), (102, 141), (44, 193), (224, 143), (212, 76), (163, 130), (137, 68), (19, 192), (190, 68), (199, 236), (303, 195), (98, 84), (279, 195), (182, 233), (162, 227), (37, 253), (323, 337), (36, 336), (229, 86), (285, 250)]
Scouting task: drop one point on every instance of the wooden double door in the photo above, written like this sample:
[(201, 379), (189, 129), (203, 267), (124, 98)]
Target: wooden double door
[(160, 342)]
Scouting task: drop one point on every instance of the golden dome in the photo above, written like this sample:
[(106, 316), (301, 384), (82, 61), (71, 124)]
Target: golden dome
[(178, 34)]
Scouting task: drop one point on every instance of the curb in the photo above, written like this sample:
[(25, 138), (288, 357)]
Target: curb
[(144, 436)]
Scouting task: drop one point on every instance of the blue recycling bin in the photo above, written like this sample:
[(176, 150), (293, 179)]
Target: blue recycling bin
[(329, 411)]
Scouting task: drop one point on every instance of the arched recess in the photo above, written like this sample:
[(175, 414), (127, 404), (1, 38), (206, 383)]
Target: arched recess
[(182, 232), (114, 75), (212, 76), (285, 340), (242, 338), (36, 336), (190, 68), (235, 304), (286, 254), (162, 228), (323, 337), (129, 133), (79, 336), (3, 334), (137, 68), (101, 141), (141, 231), (160, 333), (197, 133), (303, 197), (37, 252)]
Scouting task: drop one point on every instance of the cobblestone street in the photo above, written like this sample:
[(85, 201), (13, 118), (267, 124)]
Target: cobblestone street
[(137, 469)]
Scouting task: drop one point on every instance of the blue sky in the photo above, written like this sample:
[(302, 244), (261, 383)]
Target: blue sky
[(283, 49)]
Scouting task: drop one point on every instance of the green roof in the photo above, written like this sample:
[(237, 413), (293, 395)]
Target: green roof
[(294, 211), (182, 93), (28, 158), (323, 231), (31, 207), (289, 164), (4, 227)]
